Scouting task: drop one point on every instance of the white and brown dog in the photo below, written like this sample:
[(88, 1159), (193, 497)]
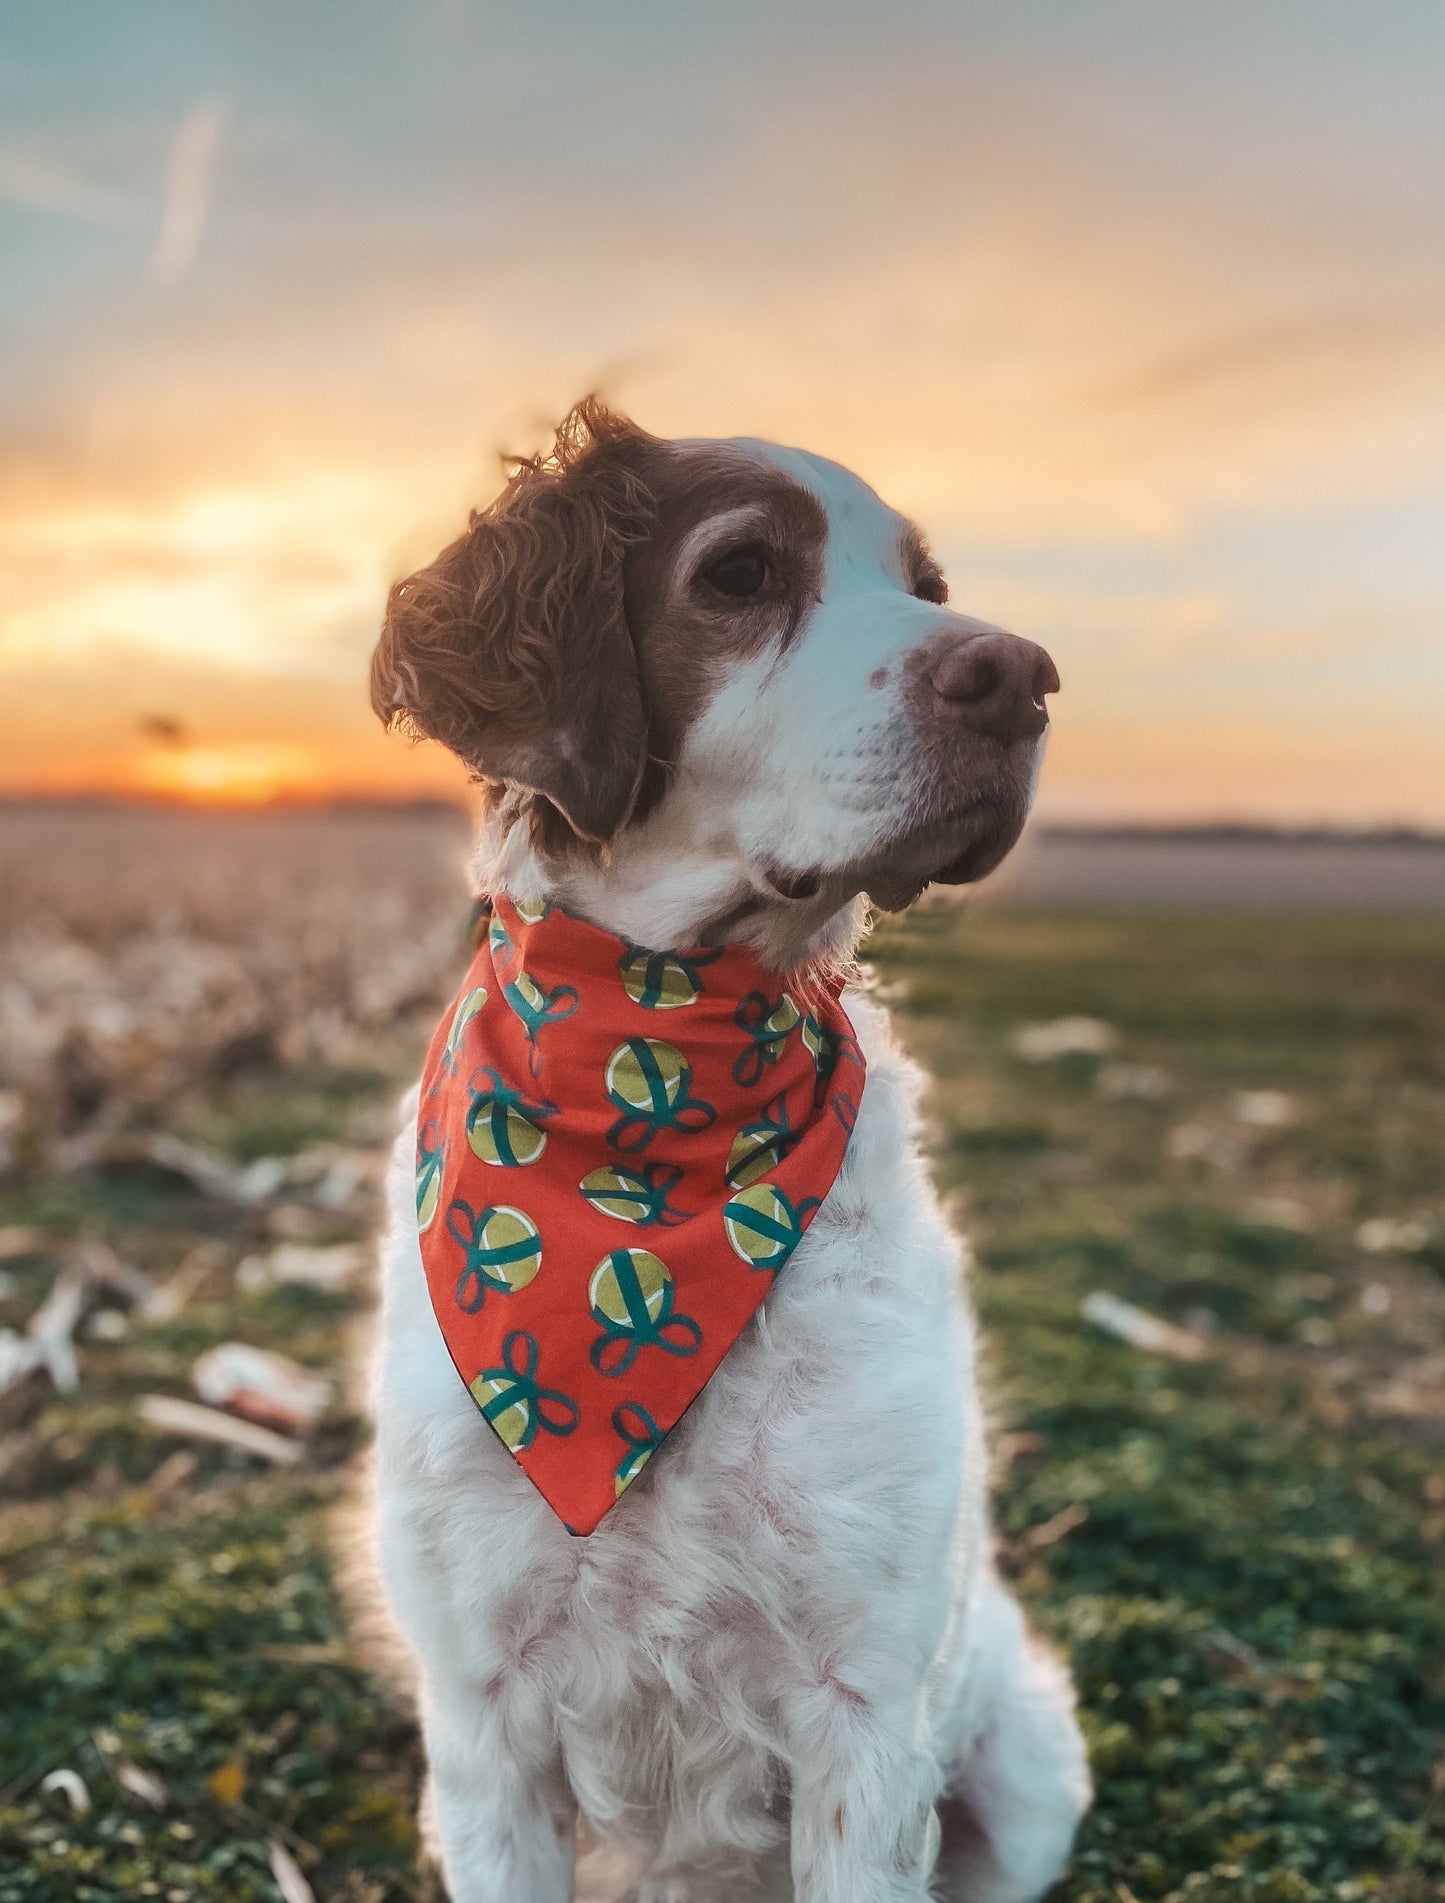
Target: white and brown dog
[(714, 695)]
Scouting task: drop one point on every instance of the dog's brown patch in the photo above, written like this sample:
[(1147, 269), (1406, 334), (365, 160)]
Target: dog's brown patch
[(686, 633), (559, 649)]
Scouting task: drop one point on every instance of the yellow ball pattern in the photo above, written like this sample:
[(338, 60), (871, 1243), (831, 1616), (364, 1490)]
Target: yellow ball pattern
[(761, 1226), (468, 1006), (428, 1194), (508, 1246), (499, 1133), (630, 1469), (653, 1279), (511, 1422), (784, 1017), (658, 981), (627, 1082), (617, 1192), (755, 1150), (530, 991)]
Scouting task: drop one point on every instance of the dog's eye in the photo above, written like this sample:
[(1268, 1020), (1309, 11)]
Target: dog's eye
[(931, 587), (740, 573)]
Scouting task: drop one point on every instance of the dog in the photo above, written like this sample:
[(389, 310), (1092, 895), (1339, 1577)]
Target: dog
[(714, 696)]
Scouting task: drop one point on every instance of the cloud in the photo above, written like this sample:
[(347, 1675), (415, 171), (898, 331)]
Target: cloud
[(30, 182), (1309, 347), (277, 576), (190, 167)]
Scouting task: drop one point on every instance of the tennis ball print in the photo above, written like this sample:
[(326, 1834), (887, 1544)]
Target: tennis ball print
[(508, 1245), (503, 1126), (651, 1084), (468, 1006), (638, 1195), (659, 981), (762, 1226)]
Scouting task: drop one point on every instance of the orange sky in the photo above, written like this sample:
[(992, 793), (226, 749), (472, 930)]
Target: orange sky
[(1143, 319)]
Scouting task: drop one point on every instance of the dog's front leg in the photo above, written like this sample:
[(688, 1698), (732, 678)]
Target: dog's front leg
[(504, 1814), (864, 1787)]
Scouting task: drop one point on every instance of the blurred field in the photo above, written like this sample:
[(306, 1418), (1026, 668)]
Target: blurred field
[(1223, 870), (1241, 1551)]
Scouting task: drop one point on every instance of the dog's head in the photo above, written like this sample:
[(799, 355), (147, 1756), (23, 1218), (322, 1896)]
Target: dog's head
[(714, 690)]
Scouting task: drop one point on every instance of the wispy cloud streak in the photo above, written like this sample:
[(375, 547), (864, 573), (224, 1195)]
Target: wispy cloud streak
[(41, 187), (190, 170)]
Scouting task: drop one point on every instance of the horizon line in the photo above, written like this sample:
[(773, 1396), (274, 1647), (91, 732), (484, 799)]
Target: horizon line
[(1139, 827)]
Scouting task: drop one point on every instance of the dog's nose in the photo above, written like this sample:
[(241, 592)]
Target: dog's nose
[(996, 683)]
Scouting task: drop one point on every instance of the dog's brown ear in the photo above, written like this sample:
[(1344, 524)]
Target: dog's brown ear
[(513, 648)]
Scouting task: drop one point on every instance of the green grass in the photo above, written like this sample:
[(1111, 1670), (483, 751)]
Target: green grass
[(190, 1623), (1251, 1599), (1252, 1604)]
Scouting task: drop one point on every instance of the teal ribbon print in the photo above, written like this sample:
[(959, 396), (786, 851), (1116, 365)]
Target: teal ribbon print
[(431, 1152), (490, 1117), (783, 1234), (517, 1387), (504, 950), (644, 1190), (640, 1434), (621, 1342), (769, 1023), (656, 967), (538, 1009), (828, 1049), (481, 1260), (674, 1110), (762, 1144)]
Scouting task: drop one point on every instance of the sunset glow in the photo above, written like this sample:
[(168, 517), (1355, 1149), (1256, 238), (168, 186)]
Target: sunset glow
[(249, 775), (1146, 327)]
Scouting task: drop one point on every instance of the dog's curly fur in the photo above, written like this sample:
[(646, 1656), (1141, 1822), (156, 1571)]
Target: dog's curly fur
[(512, 649)]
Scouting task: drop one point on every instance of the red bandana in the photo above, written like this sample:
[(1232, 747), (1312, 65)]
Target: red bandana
[(617, 1150)]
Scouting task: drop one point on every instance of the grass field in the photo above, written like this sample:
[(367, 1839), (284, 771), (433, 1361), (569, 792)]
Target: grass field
[(1241, 1552)]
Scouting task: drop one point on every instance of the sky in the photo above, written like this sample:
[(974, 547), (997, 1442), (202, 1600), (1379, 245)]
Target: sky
[(1138, 307)]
